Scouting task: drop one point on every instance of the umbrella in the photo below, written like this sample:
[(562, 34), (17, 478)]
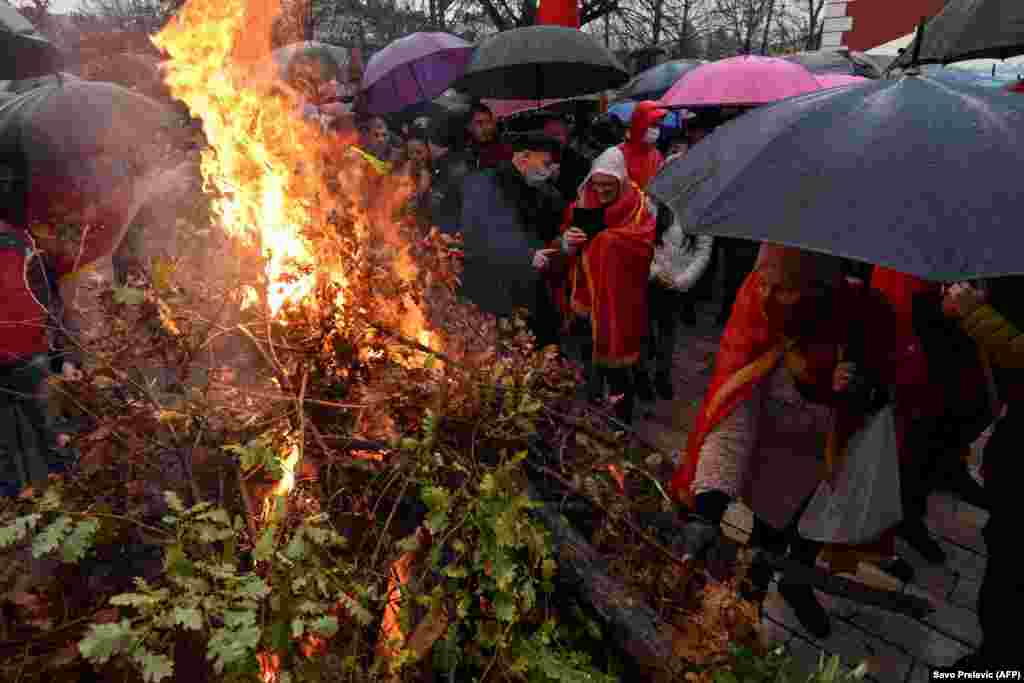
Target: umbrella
[(50, 131), (969, 29), (24, 52), (837, 61), (333, 60), (873, 173), (655, 82), (740, 81), (26, 84), (837, 80), (964, 76), (505, 108), (413, 69), (541, 62), (623, 111)]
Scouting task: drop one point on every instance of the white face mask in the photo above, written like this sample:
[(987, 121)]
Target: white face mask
[(652, 135)]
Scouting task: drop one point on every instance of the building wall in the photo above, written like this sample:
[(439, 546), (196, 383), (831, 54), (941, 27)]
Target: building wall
[(864, 24)]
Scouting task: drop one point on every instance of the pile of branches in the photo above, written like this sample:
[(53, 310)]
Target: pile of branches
[(320, 495)]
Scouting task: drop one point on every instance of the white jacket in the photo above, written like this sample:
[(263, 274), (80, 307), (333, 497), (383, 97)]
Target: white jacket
[(681, 259)]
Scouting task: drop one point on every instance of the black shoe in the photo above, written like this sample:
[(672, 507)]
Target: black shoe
[(916, 534), (757, 582), (898, 568), (809, 612), (643, 389), (663, 385), (961, 484)]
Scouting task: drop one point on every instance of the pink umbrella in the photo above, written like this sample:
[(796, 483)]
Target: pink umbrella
[(836, 80), (740, 81)]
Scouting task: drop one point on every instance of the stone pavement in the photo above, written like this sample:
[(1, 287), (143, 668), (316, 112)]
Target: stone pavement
[(898, 649)]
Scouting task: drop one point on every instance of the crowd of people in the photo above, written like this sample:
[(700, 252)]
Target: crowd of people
[(556, 222)]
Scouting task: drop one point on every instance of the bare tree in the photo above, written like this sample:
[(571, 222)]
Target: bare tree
[(504, 14), (814, 24), (146, 16), (742, 19)]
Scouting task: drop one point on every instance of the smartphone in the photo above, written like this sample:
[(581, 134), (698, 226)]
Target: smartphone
[(590, 221)]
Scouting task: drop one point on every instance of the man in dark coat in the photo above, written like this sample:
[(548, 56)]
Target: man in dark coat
[(573, 168), (480, 147), (509, 216)]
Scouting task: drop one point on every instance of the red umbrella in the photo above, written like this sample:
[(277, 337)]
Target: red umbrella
[(1017, 87)]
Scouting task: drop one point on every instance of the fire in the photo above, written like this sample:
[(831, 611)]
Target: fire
[(267, 169)]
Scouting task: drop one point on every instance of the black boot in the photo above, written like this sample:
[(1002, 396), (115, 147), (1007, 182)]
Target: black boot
[(642, 386), (809, 612), (755, 588), (916, 534), (958, 481), (898, 568), (663, 385)]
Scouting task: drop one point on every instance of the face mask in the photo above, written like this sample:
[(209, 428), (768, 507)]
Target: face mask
[(652, 135), (535, 177)]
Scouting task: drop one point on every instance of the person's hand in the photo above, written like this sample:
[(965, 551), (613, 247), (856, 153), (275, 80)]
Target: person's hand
[(845, 379), (961, 299), (573, 239), (542, 258), (70, 373), (698, 536)]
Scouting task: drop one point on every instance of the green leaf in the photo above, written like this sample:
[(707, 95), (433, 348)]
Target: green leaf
[(188, 617), (265, 546), (16, 531), (279, 636), (325, 626), (229, 646), (437, 521), (79, 541), (155, 667), (129, 296), (298, 627), (50, 537), (253, 588), (436, 498), (505, 607), (174, 502), (106, 640), (296, 548)]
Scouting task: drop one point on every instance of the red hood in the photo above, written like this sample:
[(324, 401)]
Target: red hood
[(645, 115)]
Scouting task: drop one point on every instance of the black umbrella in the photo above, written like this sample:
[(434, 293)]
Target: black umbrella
[(654, 82), (539, 63), (969, 29), (24, 52), (837, 61), (916, 174)]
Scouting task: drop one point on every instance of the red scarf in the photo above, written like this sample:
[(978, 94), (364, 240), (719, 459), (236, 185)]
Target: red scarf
[(751, 348), (608, 280)]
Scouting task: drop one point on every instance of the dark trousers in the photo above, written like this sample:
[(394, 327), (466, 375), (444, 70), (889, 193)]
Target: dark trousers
[(740, 257), (665, 307), (1001, 598), (620, 381), (778, 542)]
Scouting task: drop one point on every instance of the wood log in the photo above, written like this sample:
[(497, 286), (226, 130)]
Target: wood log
[(635, 626)]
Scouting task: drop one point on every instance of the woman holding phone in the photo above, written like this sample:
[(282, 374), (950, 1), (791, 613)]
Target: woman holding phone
[(609, 238)]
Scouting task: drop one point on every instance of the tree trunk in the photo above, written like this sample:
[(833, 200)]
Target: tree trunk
[(659, 11), (767, 26), (635, 626)]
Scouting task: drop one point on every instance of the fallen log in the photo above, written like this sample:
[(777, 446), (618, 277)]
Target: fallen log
[(635, 626)]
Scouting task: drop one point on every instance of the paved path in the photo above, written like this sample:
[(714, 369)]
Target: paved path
[(898, 649)]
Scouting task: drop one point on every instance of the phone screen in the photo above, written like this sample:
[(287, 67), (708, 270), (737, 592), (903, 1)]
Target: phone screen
[(590, 221)]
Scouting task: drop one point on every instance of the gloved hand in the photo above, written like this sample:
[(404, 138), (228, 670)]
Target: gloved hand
[(572, 240)]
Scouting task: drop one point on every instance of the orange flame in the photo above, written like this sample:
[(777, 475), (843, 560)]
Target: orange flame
[(267, 168)]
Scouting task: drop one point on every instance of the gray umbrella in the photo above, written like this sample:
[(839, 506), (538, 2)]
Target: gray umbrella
[(841, 61), (969, 29), (539, 63), (915, 174), (24, 52), (51, 131)]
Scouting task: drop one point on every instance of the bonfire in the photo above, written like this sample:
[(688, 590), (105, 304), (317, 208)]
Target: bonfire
[(351, 476)]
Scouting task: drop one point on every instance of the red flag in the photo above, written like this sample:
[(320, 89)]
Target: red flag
[(559, 13)]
